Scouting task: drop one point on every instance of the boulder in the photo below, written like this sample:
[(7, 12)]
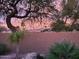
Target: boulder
[(33, 55)]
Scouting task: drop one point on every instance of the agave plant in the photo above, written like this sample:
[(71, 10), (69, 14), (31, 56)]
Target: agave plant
[(15, 38), (64, 51)]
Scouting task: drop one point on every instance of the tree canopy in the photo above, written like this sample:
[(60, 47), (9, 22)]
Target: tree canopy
[(70, 10), (38, 8), (24, 9)]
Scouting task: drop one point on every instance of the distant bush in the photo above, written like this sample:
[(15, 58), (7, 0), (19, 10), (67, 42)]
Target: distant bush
[(76, 26), (2, 29), (4, 49), (63, 51), (46, 30), (59, 25)]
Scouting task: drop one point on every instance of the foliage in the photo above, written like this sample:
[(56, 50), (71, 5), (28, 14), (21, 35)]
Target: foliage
[(24, 9), (15, 37), (69, 28), (76, 26), (69, 7), (71, 10), (38, 9), (4, 49), (63, 51), (2, 29), (58, 26)]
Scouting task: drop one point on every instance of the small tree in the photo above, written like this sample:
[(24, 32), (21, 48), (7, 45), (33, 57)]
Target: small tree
[(15, 38)]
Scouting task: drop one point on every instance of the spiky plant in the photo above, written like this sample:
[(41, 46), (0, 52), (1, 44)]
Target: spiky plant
[(15, 38), (64, 51)]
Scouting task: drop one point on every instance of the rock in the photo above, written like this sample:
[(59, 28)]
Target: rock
[(39, 56), (33, 55)]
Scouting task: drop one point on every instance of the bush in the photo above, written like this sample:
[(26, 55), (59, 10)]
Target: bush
[(58, 26), (63, 51), (4, 49), (16, 37), (68, 28), (2, 29), (76, 27)]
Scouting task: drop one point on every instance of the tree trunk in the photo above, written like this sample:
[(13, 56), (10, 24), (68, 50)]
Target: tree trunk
[(66, 20), (9, 25)]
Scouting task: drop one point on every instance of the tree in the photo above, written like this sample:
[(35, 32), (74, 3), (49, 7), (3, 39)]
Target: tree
[(70, 10), (28, 9)]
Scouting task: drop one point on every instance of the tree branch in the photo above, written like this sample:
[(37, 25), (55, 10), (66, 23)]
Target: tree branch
[(27, 13), (9, 25), (17, 2)]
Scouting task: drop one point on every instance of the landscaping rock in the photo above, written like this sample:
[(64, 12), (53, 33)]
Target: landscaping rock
[(33, 55)]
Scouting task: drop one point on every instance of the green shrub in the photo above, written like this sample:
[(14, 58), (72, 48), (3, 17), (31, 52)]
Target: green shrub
[(63, 51), (2, 29), (16, 37), (58, 26), (4, 49), (76, 27), (68, 28)]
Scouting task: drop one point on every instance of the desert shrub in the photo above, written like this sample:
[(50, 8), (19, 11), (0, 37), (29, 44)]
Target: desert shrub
[(58, 26), (4, 49), (69, 28), (64, 51), (2, 29), (15, 38), (76, 27)]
